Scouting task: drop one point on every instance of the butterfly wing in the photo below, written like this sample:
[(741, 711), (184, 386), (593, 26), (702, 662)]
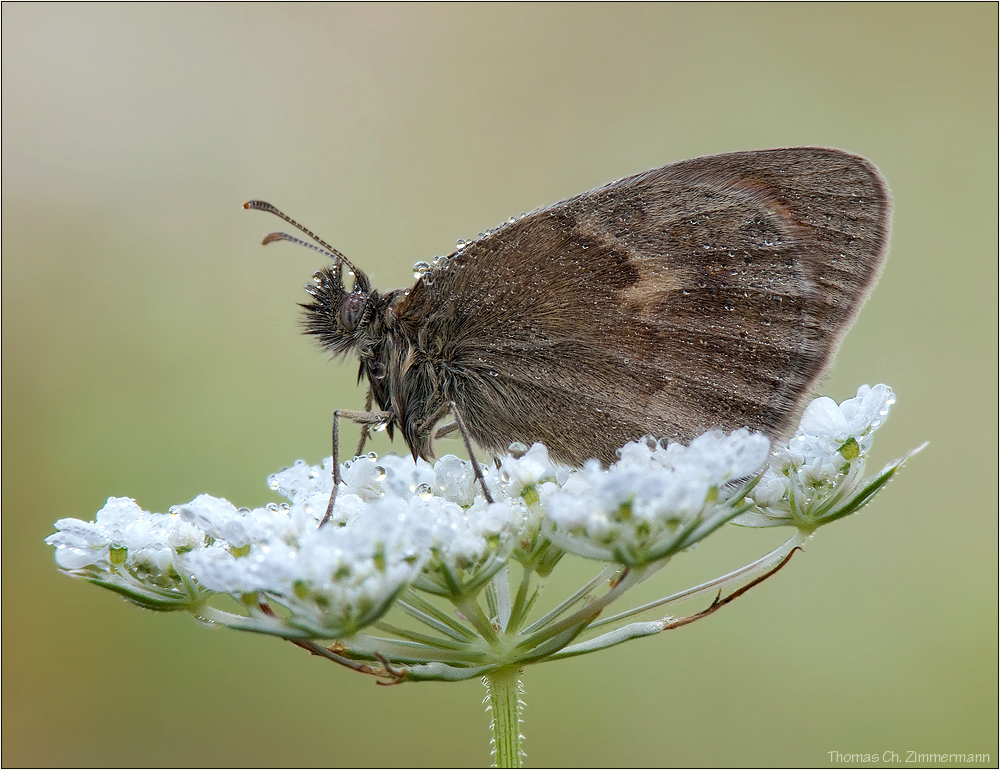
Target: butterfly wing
[(710, 293)]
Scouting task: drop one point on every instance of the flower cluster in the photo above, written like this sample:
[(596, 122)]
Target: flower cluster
[(818, 476), (396, 523), (657, 500), (404, 532)]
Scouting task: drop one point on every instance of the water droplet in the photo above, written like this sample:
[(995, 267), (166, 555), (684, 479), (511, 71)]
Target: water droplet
[(419, 268), (380, 473), (424, 491), (517, 449)]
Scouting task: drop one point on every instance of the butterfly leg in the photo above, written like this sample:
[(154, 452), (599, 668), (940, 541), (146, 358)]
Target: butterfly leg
[(366, 419), (365, 432), (445, 430), (429, 423), (451, 427), (472, 455)]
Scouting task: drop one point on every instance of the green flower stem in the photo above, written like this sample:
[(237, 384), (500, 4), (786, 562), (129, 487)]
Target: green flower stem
[(261, 624), (503, 687), (498, 597), (523, 602), (625, 634), (582, 617), (432, 618), (474, 614), (743, 573), (604, 575)]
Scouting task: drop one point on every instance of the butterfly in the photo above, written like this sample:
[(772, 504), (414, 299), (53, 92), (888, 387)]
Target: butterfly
[(706, 294)]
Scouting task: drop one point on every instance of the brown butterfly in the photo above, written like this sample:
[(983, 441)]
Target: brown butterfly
[(710, 293)]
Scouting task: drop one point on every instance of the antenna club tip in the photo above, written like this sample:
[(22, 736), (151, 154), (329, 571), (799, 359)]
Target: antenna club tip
[(272, 237)]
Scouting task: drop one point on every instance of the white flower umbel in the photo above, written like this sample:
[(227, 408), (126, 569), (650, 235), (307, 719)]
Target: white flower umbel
[(464, 576), (657, 501), (818, 476)]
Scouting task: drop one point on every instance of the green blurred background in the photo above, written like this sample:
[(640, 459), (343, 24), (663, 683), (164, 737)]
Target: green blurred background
[(151, 349)]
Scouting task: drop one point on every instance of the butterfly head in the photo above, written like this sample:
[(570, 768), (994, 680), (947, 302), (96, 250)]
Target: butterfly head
[(340, 318)]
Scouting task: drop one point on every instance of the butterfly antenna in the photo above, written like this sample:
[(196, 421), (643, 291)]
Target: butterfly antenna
[(327, 249), (272, 237)]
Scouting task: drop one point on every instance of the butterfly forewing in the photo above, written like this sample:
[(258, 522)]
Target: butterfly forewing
[(705, 294)]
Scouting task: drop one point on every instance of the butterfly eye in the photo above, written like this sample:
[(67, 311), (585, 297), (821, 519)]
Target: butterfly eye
[(351, 310)]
